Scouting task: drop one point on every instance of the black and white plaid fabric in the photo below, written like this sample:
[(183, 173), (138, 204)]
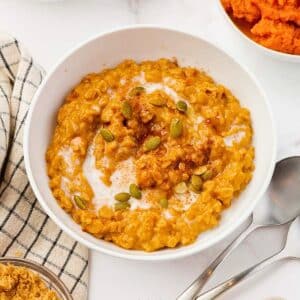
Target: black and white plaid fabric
[(25, 229)]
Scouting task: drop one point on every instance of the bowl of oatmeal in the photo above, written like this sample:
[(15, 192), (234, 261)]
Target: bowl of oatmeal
[(270, 26), (154, 152)]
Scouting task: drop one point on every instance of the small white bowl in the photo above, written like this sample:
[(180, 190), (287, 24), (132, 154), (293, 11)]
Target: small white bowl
[(141, 43), (272, 53)]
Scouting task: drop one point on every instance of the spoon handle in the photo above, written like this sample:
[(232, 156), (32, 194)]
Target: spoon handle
[(228, 284), (198, 284)]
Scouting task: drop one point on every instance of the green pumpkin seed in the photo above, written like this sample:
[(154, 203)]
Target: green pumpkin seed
[(181, 106), (193, 189), (107, 135), (180, 188), (80, 202), (136, 91), (134, 191), (126, 110), (121, 205), (200, 171), (207, 175), (152, 143), (196, 182), (157, 101), (176, 128), (122, 197), (164, 202)]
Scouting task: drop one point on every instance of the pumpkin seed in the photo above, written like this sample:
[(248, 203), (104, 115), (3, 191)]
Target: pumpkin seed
[(136, 91), (207, 175), (164, 202), (180, 188), (196, 182), (157, 101), (193, 189), (152, 143), (122, 197), (126, 110), (107, 135), (121, 205), (176, 128), (181, 106), (201, 170), (80, 202), (134, 191)]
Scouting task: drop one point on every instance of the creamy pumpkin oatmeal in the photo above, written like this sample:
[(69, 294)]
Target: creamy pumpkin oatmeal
[(148, 155), (18, 283)]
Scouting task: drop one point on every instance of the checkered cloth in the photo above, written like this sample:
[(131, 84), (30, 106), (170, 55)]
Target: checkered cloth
[(25, 229)]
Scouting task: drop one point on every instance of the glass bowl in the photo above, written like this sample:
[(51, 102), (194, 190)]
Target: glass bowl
[(49, 278)]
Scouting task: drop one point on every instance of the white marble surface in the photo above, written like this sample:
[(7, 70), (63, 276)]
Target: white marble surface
[(49, 29)]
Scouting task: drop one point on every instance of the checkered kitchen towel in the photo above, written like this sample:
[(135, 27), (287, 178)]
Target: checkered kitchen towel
[(25, 229)]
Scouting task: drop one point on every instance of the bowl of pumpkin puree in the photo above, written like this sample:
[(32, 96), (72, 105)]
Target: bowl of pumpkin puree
[(270, 25)]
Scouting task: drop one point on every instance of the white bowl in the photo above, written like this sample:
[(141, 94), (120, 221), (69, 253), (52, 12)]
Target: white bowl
[(254, 45), (140, 43)]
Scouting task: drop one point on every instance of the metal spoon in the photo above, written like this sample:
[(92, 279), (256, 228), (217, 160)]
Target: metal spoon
[(291, 250), (284, 205)]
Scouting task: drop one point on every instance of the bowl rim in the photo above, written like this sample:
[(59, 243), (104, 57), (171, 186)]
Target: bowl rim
[(274, 53), (146, 256), (39, 269)]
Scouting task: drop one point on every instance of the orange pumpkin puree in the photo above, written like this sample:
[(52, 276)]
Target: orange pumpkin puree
[(274, 24)]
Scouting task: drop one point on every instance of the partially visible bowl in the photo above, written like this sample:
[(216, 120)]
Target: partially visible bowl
[(48, 277), (140, 43), (254, 45)]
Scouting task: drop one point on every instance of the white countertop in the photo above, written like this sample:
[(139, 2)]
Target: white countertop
[(49, 29)]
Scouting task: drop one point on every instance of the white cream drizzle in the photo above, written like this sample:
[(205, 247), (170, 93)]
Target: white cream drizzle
[(96, 108), (110, 92), (64, 186), (169, 80), (187, 199), (236, 137), (66, 153), (199, 119), (151, 87), (167, 214), (120, 179)]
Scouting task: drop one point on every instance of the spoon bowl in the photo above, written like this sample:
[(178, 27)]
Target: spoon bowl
[(284, 190)]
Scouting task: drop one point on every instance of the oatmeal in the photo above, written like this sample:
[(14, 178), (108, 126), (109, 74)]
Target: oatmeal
[(148, 155)]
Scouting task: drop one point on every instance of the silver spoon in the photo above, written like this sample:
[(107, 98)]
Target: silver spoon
[(291, 250), (284, 205)]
